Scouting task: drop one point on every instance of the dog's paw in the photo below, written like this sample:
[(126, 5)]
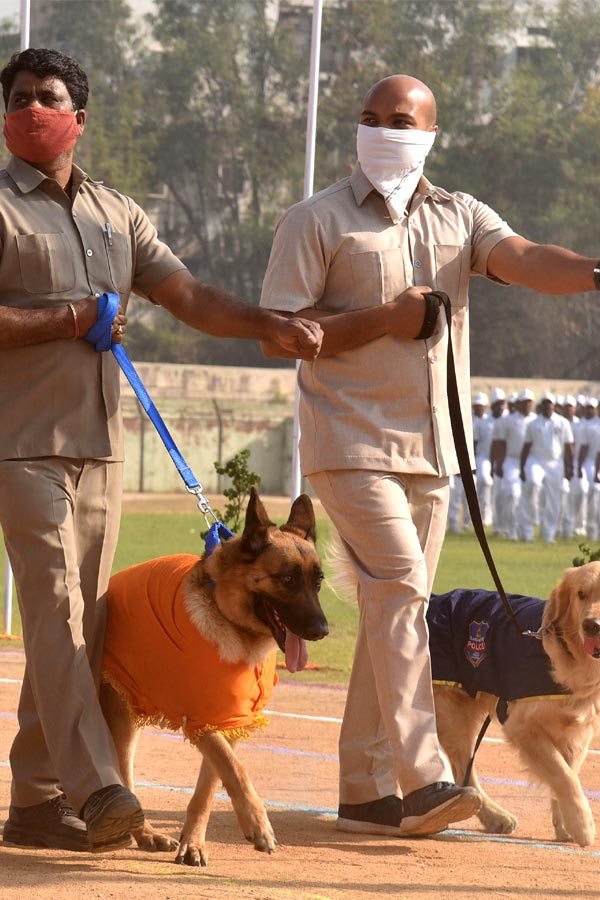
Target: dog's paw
[(498, 821), (154, 842), (581, 831), (190, 854), (263, 838)]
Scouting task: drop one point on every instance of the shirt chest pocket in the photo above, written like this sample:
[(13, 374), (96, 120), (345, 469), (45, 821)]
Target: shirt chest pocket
[(378, 276), (118, 251), (453, 268), (45, 263)]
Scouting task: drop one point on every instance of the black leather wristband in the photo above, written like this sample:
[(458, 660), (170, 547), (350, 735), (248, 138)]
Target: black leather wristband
[(597, 276), (432, 308)]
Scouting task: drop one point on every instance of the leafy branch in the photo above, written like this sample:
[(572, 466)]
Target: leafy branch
[(242, 479), (589, 555)]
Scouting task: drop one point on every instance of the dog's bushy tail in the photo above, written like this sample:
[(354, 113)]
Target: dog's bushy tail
[(341, 577)]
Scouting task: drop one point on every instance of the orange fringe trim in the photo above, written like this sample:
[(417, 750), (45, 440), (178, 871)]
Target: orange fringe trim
[(193, 736)]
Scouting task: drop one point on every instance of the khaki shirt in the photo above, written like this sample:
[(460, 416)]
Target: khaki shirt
[(61, 398), (382, 405)]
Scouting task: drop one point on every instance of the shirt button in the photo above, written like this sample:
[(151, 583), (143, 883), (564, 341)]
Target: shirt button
[(418, 263), (74, 215), (96, 294), (89, 252), (433, 359)]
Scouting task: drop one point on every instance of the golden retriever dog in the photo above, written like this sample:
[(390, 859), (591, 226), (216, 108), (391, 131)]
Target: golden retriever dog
[(551, 733), (191, 644), (550, 709)]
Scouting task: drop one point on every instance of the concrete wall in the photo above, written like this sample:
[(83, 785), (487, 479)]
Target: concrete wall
[(213, 412)]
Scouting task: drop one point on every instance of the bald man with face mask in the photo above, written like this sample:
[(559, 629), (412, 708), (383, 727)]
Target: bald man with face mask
[(360, 257)]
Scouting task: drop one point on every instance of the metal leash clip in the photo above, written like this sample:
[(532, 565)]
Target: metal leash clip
[(203, 504), (534, 634)]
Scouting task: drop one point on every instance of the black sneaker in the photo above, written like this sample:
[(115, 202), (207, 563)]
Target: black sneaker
[(382, 816), (433, 808), (110, 815), (52, 824)]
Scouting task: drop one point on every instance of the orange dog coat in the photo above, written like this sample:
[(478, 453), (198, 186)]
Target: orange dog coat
[(169, 674)]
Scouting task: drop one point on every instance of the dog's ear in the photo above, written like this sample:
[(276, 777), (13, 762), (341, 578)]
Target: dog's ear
[(559, 605), (302, 519), (255, 536)]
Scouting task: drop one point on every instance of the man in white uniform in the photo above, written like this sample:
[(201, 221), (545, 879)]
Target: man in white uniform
[(459, 516), (509, 433), (483, 428), (572, 499), (546, 459), (586, 465)]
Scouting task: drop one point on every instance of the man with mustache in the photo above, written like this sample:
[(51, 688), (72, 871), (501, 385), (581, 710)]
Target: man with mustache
[(66, 240)]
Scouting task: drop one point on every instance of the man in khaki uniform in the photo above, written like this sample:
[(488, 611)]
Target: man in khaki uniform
[(376, 443), (64, 241)]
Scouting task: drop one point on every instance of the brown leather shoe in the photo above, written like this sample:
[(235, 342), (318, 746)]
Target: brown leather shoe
[(110, 814), (52, 824)]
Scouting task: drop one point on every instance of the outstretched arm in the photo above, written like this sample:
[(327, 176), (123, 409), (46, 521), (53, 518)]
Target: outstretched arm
[(541, 267), (215, 312)]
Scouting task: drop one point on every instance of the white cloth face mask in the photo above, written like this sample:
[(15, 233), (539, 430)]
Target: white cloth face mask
[(393, 160)]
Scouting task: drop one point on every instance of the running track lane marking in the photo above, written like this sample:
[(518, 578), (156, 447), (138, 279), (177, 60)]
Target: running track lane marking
[(332, 813), (274, 712)]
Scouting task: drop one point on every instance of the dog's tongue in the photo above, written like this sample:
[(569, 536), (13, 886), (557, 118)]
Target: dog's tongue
[(591, 645), (296, 652)]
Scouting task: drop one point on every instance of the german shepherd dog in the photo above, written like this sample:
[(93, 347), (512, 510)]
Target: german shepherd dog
[(191, 643), (551, 733)]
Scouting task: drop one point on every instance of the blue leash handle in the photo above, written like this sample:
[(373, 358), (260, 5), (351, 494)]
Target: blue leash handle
[(122, 357), (100, 335)]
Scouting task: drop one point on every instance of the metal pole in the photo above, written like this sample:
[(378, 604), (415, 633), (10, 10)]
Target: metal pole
[(25, 27), (309, 175), (25, 23)]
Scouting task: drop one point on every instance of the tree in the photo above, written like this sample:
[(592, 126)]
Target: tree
[(103, 37), (227, 137)]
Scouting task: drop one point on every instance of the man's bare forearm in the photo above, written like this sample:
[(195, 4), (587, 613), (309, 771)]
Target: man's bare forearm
[(215, 312), (26, 327), (401, 317), (545, 268)]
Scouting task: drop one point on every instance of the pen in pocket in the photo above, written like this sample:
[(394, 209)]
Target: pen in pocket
[(108, 230)]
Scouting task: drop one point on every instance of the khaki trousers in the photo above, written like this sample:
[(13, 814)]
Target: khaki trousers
[(393, 528), (60, 519)]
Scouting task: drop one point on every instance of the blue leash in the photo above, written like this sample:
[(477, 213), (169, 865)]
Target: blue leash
[(100, 335)]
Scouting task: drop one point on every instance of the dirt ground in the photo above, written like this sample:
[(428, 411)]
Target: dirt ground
[(293, 764), (294, 767)]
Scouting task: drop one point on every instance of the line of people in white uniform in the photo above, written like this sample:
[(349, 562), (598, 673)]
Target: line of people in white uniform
[(535, 468)]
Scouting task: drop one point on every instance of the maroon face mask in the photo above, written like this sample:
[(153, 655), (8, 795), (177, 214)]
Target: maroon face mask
[(37, 134)]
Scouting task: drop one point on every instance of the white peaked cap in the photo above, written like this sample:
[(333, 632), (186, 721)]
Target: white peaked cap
[(526, 395)]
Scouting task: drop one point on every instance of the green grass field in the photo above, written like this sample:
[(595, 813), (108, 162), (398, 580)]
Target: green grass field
[(524, 568)]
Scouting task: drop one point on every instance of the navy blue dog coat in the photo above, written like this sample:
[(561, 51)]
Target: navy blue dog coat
[(474, 646)]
